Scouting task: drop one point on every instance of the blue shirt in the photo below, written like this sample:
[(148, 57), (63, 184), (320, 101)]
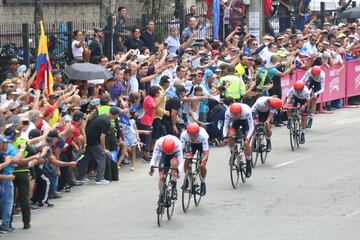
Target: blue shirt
[(173, 44), (11, 151), (204, 103)]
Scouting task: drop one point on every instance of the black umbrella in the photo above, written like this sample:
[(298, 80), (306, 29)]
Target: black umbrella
[(87, 71), (351, 13)]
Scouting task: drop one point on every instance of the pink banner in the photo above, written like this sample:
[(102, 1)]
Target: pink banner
[(334, 83), (287, 82), (353, 78), (338, 84)]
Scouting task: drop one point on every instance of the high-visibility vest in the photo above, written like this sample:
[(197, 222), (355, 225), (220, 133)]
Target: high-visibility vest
[(236, 88), (21, 141), (262, 73), (103, 109)]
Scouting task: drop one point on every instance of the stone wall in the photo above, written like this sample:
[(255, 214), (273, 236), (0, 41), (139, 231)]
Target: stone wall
[(24, 13)]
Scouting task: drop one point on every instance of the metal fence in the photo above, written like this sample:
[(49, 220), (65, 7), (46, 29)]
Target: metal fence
[(323, 13)]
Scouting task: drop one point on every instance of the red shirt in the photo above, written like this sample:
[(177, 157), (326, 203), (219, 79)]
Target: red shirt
[(68, 140), (149, 108), (267, 8)]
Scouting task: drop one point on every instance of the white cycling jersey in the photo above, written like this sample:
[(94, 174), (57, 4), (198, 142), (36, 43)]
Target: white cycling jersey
[(203, 138), (304, 94), (320, 79), (246, 114), (261, 106), (177, 151)]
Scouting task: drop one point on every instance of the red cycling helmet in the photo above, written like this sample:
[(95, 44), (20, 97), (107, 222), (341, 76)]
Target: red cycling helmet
[(299, 85), (168, 145), (235, 108), (275, 103), (316, 70), (193, 128)]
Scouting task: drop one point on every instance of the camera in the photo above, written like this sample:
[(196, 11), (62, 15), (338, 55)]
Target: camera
[(222, 88), (240, 31)]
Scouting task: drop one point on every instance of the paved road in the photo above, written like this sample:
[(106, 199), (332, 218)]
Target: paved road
[(313, 193)]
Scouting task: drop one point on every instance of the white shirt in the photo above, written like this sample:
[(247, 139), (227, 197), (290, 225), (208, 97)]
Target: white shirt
[(77, 52), (304, 94), (134, 84), (203, 138), (177, 152), (266, 55), (246, 114), (320, 79), (261, 105), (25, 134), (309, 49)]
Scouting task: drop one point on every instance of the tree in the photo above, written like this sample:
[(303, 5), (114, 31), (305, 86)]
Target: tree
[(154, 7)]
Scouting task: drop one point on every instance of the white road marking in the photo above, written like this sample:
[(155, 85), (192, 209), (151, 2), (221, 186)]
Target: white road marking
[(292, 161), (353, 213)]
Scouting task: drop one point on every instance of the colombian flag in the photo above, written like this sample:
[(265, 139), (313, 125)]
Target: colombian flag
[(44, 77)]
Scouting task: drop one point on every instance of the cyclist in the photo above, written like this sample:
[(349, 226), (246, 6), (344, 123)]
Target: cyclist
[(169, 149), (299, 94), (239, 114), (263, 110), (194, 139), (314, 79)]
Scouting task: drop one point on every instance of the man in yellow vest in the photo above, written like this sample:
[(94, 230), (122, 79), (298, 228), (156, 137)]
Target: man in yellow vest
[(112, 138), (234, 85)]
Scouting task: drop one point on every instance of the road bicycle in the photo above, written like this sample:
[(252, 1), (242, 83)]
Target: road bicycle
[(237, 160), (259, 144), (191, 184), (295, 127), (165, 201)]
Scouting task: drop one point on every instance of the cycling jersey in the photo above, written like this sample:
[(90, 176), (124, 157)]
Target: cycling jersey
[(177, 152), (320, 79), (246, 114), (203, 138), (304, 94), (261, 106)]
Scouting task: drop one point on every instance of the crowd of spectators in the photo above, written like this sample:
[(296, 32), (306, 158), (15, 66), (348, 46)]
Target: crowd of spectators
[(85, 131)]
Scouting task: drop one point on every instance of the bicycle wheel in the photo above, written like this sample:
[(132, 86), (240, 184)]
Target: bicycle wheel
[(186, 191), (160, 206), (292, 135), (196, 188), (263, 143), (242, 166), (297, 132), (255, 148), (170, 204), (234, 170)]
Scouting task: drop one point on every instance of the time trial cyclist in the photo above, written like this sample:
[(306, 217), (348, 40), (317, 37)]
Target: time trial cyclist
[(239, 114), (263, 110), (299, 94), (169, 149), (196, 139)]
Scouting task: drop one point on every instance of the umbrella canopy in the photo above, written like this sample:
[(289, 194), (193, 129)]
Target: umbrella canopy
[(87, 71), (351, 13)]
